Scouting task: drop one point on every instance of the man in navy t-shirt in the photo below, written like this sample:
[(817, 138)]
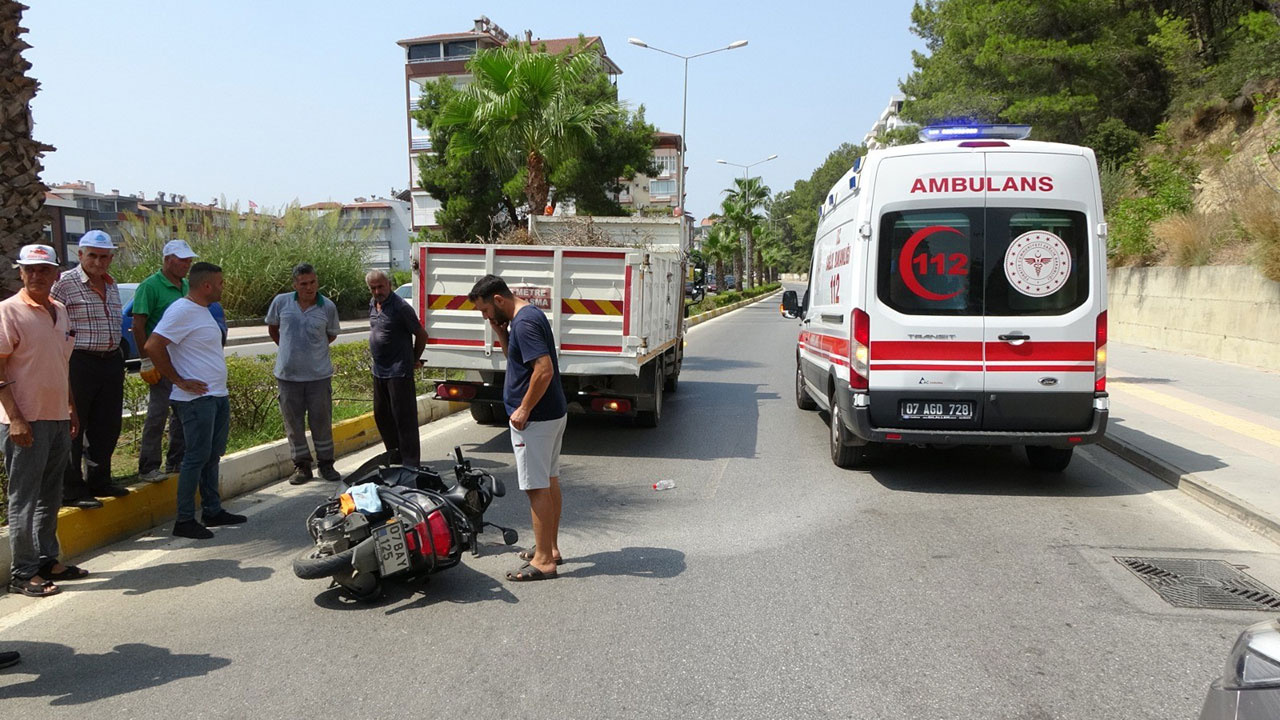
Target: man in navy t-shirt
[(535, 401)]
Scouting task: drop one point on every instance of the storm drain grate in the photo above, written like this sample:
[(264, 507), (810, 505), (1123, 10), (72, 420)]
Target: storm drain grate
[(1214, 584)]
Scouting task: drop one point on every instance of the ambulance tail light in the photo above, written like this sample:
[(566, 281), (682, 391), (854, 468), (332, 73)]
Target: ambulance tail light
[(1100, 355), (860, 350)]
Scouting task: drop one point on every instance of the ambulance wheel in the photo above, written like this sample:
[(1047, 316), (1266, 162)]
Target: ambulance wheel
[(1048, 459), (482, 413), (803, 401), (842, 453)]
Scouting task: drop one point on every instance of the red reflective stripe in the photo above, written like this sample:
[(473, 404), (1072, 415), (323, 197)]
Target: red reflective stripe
[(626, 303), (458, 251), (925, 350), (913, 368), (1040, 368), (455, 341), (593, 348), (525, 253), (591, 254), (422, 273), (1045, 351)]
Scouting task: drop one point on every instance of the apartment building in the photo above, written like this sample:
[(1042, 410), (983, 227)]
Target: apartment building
[(383, 224), (431, 57)]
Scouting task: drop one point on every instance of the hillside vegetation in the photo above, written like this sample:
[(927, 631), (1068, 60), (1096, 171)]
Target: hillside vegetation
[(1180, 99)]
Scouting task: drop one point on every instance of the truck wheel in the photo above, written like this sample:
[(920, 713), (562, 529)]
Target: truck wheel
[(842, 453), (482, 413), (672, 382), (1048, 459), (803, 401), (650, 418)]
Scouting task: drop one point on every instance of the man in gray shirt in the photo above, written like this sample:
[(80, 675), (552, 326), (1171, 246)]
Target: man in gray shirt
[(303, 323)]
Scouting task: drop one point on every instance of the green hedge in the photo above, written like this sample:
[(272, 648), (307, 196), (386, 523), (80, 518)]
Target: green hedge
[(711, 302)]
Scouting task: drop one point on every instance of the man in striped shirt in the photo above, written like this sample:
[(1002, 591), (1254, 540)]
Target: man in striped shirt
[(97, 370)]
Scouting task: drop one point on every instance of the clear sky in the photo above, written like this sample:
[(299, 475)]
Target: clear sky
[(273, 101)]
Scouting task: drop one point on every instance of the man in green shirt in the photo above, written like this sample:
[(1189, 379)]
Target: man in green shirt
[(153, 296)]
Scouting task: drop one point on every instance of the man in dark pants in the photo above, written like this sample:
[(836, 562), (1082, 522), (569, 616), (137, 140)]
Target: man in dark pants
[(153, 296), (97, 370), (396, 342)]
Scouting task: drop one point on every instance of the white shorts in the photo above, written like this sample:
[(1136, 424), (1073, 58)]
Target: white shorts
[(537, 449)]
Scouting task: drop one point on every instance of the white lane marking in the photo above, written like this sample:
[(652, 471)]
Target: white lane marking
[(1171, 499), (133, 558)]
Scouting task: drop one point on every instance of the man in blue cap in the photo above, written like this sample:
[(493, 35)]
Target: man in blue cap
[(97, 370)]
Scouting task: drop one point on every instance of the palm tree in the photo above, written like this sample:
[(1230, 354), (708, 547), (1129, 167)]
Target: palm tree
[(21, 191), (520, 111), (740, 221), (718, 247), (749, 194)]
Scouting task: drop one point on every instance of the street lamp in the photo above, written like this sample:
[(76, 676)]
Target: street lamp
[(745, 168), (684, 106)]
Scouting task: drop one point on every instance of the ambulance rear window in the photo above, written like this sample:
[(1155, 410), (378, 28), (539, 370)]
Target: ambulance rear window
[(1039, 261), (928, 259)]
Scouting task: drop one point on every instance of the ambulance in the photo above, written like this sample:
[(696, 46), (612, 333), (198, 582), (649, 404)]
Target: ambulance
[(958, 295)]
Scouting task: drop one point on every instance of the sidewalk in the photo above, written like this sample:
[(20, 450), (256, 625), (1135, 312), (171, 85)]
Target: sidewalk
[(250, 334), (1211, 429)]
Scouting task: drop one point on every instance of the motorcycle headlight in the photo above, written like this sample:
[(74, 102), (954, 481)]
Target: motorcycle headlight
[(1255, 659)]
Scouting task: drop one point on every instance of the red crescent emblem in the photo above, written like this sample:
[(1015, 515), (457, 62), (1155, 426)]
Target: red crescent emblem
[(904, 262)]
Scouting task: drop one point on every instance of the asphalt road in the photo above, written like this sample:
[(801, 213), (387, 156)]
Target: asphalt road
[(768, 584)]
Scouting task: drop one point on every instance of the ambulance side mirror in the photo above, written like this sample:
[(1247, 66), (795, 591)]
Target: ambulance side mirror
[(790, 304)]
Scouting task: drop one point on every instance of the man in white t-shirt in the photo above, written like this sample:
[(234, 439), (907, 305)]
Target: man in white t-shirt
[(186, 347)]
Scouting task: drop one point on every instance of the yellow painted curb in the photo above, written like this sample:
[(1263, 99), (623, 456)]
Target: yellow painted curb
[(149, 505)]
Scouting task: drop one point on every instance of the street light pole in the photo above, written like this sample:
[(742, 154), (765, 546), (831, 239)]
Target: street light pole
[(684, 109), (745, 168)]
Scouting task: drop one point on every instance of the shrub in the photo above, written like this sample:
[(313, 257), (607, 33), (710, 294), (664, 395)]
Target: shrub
[(1189, 239), (256, 252), (1258, 220)]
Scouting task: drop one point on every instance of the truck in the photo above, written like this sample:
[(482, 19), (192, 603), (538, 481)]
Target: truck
[(612, 289)]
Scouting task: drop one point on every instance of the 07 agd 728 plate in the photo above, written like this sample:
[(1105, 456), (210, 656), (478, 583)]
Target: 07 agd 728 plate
[(936, 409)]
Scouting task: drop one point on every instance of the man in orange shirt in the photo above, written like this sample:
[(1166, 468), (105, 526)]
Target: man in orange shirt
[(37, 421)]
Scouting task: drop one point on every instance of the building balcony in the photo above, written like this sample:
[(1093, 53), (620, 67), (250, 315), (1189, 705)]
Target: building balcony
[(420, 144), (366, 223)]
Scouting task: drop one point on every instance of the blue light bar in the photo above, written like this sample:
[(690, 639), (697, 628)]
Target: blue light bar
[(934, 133)]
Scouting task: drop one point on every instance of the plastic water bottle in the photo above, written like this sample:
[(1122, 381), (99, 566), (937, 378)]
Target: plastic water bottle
[(664, 485)]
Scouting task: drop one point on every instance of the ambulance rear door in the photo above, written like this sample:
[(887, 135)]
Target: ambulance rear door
[(1042, 292), (925, 308)]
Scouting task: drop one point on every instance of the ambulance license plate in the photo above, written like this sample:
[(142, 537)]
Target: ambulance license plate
[(936, 410), (393, 553)]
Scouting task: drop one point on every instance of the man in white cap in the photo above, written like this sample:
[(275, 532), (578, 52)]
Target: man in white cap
[(37, 421), (153, 297), (97, 370)]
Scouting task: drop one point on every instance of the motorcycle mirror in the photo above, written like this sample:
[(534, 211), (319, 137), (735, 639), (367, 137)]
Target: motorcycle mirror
[(509, 536), (498, 488), (457, 453)]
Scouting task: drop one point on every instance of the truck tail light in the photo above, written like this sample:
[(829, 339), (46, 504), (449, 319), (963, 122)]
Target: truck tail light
[(860, 350), (1100, 355), (449, 391), (610, 405)]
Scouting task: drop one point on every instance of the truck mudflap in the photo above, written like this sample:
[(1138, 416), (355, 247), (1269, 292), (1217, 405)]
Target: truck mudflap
[(856, 408)]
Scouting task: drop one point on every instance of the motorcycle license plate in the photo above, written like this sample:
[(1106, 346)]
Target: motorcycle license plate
[(936, 410), (393, 553)]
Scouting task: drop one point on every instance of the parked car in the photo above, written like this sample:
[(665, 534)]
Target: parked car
[(405, 291), (729, 282), (127, 291), (1249, 689)]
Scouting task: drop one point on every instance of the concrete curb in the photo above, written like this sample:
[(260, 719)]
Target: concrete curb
[(1197, 487), (150, 505), (254, 339), (697, 319)]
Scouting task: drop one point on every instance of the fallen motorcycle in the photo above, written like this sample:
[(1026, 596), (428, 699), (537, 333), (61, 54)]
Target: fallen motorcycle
[(395, 522)]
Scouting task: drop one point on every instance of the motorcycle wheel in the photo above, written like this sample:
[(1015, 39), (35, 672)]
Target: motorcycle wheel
[(311, 565)]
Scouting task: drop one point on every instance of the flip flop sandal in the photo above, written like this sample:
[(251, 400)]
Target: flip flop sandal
[(527, 555), (31, 588), (69, 572), (529, 573)]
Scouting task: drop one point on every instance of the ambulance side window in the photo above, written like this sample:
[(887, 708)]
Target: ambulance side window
[(1029, 274), (928, 260)]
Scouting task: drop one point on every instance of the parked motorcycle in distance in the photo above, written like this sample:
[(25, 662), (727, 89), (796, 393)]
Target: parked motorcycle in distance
[(398, 523)]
